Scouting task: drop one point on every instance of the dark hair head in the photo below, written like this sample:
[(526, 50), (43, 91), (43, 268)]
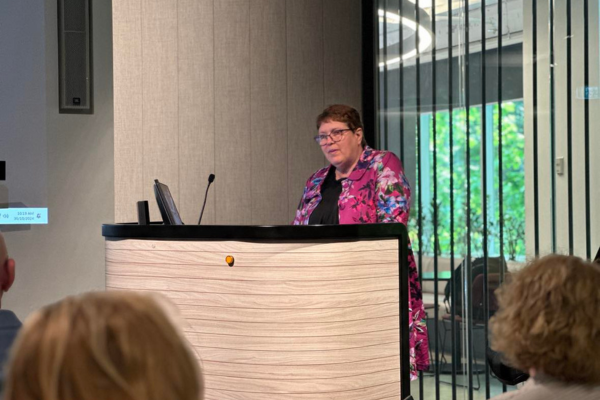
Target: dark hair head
[(345, 114)]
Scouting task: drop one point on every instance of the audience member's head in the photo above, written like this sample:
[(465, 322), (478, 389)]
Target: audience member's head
[(549, 319), (7, 268), (104, 345)]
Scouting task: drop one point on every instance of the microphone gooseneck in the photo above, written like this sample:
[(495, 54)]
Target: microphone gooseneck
[(211, 178)]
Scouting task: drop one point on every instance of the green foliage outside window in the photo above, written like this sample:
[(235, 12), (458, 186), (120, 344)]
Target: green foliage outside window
[(513, 180)]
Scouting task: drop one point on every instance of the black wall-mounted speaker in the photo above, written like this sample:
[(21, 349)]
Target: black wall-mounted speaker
[(75, 57)]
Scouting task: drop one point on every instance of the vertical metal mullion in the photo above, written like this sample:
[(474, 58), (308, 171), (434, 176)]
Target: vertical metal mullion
[(500, 183), (569, 130), (552, 125), (536, 194), (469, 276), (385, 77), (419, 170), (370, 70), (451, 152), (401, 77), (377, 51), (586, 84), (435, 208), (484, 193), (500, 180)]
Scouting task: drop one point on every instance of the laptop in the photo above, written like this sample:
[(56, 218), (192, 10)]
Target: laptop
[(166, 204)]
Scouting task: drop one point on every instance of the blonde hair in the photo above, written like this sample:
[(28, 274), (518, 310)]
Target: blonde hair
[(104, 345), (549, 319)]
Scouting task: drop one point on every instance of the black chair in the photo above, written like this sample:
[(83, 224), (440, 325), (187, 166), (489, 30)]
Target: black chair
[(496, 267)]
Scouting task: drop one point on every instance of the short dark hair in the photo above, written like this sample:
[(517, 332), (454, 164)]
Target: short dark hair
[(345, 114)]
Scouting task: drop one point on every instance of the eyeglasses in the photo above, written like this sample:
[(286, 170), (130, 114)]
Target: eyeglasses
[(335, 135)]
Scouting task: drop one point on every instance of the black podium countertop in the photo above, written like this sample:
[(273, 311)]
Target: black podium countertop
[(241, 232)]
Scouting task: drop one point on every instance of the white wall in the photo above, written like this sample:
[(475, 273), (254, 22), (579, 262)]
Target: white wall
[(67, 255), (545, 163)]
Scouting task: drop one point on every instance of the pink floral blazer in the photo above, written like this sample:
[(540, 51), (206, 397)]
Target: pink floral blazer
[(377, 191)]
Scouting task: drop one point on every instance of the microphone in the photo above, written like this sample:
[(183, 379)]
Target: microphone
[(211, 178)]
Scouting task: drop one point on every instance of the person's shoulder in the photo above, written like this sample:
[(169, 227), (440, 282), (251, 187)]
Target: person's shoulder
[(322, 172), (543, 390), (8, 320), (527, 392), (514, 395), (317, 177), (373, 157), (384, 159), (383, 156)]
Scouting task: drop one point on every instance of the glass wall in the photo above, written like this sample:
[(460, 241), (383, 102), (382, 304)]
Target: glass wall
[(489, 104)]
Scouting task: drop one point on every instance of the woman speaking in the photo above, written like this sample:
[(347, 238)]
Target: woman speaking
[(362, 186)]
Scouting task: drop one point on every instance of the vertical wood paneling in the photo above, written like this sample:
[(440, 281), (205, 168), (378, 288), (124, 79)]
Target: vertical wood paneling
[(560, 141), (594, 125), (196, 109), (543, 145), (128, 100), (304, 19), (579, 212), (233, 158), (529, 117), (160, 104), (230, 87), (268, 102), (342, 59)]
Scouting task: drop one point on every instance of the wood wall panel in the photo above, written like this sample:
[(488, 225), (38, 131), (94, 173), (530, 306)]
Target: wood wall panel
[(308, 343), (305, 92), (380, 392), (160, 102), (342, 67), (215, 299), (155, 282), (233, 138), (317, 346), (230, 87), (268, 102), (298, 371), (196, 109), (128, 101)]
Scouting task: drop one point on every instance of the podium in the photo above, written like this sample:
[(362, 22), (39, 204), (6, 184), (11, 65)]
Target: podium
[(279, 312)]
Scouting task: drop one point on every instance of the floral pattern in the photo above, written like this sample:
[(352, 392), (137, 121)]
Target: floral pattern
[(377, 192)]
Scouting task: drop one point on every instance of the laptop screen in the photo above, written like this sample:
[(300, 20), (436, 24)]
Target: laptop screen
[(166, 204)]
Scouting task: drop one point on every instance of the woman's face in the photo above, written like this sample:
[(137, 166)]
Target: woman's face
[(344, 153)]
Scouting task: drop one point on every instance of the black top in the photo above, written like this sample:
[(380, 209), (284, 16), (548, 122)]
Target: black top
[(9, 327), (327, 211)]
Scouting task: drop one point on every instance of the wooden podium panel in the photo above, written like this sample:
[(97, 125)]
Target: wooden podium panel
[(289, 320)]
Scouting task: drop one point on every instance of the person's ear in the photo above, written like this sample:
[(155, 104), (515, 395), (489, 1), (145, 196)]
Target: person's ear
[(9, 267), (359, 134)]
